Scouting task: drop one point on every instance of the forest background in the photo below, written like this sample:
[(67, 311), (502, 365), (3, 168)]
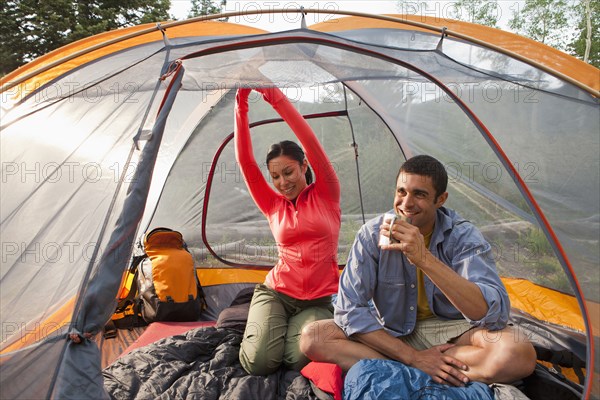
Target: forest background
[(32, 28)]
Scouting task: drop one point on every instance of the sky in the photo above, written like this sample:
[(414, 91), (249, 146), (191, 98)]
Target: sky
[(441, 8), (179, 9)]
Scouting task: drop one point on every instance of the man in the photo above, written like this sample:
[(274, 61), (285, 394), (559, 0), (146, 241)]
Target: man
[(431, 299)]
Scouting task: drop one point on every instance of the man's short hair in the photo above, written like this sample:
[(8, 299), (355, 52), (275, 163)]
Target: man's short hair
[(425, 165)]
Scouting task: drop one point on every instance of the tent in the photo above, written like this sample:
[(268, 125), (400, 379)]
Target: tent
[(131, 129)]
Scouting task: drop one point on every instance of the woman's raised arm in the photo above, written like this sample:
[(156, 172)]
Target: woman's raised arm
[(257, 185), (326, 181)]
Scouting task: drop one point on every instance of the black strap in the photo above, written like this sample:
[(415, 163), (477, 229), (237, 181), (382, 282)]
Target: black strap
[(200, 291), (110, 330), (580, 375), (135, 261), (130, 298), (568, 359)]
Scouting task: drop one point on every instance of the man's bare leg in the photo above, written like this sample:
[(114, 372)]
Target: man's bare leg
[(495, 356), (324, 341)]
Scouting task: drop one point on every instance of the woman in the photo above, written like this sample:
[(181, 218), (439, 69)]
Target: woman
[(305, 221)]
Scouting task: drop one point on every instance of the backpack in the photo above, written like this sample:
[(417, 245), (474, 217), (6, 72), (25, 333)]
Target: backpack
[(160, 285), (168, 286)]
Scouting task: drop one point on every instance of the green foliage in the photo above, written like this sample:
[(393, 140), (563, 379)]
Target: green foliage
[(544, 268), (10, 49), (544, 21), (31, 28), (348, 232), (481, 12), (588, 13), (100, 16), (562, 24), (206, 7), (550, 274), (535, 240)]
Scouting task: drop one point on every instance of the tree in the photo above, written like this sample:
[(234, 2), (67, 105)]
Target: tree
[(545, 21), (98, 16), (10, 44), (32, 28), (206, 7), (586, 44), (483, 12)]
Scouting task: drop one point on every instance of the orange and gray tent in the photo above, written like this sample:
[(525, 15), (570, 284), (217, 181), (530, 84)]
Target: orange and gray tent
[(128, 130)]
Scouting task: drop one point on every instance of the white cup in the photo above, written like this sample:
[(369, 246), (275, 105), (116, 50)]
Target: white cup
[(389, 218)]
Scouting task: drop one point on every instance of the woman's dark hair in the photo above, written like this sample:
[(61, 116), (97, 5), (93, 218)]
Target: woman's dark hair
[(292, 150)]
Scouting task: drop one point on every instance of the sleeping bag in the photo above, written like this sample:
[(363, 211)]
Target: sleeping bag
[(392, 380)]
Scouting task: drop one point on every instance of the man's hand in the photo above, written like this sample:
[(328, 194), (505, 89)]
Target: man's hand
[(463, 294), (409, 238), (442, 368)]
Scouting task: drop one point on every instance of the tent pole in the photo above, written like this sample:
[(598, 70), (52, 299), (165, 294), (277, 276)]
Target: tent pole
[(8, 85)]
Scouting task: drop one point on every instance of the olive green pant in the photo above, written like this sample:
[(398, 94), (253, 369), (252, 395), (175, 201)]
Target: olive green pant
[(433, 332), (272, 335)]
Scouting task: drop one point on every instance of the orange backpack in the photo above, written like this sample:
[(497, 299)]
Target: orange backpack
[(161, 284), (167, 282)]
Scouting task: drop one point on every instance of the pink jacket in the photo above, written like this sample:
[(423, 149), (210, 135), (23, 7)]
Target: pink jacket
[(307, 233)]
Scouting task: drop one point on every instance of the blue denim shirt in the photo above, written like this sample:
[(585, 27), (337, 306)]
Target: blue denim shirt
[(378, 288)]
